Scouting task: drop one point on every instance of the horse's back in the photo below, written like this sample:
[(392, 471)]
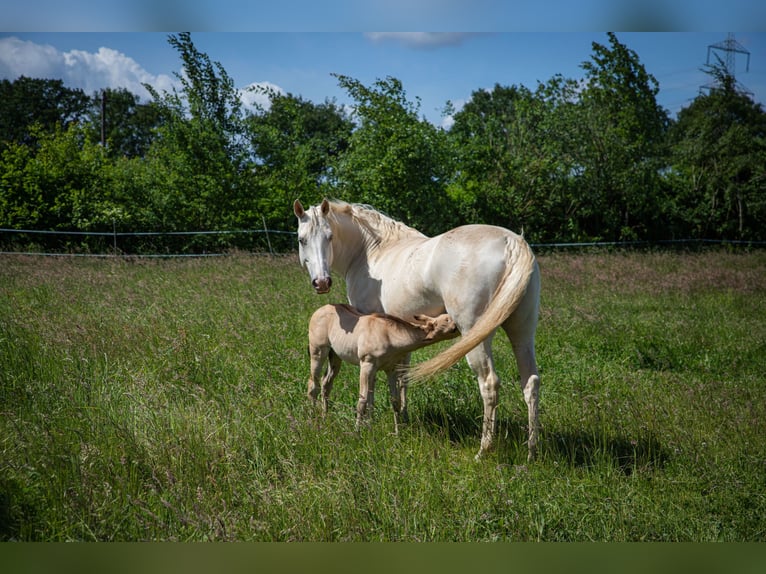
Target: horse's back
[(457, 272)]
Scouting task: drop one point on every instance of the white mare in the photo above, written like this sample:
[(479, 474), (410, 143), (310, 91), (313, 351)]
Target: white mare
[(483, 276)]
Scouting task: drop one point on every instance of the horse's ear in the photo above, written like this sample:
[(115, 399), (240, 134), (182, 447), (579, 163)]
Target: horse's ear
[(298, 209), (325, 206)]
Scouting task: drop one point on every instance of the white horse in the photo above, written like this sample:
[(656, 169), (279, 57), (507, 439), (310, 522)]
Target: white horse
[(483, 276)]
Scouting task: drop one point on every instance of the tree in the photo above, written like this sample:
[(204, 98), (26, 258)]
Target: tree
[(201, 146), (128, 124), (295, 142), (56, 185), (719, 163), (510, 169), (396, 161), (617, 138), (48, 104)]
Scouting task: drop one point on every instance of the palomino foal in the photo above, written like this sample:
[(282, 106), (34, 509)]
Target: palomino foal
[(375, 342)]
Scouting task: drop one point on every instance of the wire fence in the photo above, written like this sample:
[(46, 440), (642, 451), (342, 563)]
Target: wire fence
[(143, 243), (170, 244)]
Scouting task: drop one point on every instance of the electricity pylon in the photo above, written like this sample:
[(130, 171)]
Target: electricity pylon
[(730, 47)]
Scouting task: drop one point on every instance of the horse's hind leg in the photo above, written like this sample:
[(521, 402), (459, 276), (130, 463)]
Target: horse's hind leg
[(530, 386), (520, 328), (480, 360)]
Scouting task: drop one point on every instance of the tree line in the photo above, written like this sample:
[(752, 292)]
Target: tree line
[(593, 159)]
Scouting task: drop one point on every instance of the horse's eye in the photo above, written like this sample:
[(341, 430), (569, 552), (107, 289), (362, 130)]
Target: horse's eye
[(302, 241)]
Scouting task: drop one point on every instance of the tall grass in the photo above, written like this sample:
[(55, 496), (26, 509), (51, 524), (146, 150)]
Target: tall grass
[(166, 400)]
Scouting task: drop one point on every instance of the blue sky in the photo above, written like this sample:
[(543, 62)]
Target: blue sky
[(360, 15), (434, 68)]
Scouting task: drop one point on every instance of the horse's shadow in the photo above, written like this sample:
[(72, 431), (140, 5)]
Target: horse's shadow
[(575, 447)]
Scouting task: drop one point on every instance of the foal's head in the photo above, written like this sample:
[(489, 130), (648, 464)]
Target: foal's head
[(438, 328)]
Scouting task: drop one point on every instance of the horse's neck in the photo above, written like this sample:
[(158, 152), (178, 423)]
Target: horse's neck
[(359, 248), (402, 336), (349, 250), (411, 339), (351, 259)]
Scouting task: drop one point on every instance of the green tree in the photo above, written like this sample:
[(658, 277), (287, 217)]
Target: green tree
[(719, 164), (511, 170), (295, 142), (128, 124), (57, 185), (617, 138), (396, 161), (28, 102), (201, 146)]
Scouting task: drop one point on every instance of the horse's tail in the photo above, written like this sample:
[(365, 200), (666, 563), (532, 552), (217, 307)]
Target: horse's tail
[(520, 263)]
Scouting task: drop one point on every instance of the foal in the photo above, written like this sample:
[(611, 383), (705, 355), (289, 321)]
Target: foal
[(374, 342)]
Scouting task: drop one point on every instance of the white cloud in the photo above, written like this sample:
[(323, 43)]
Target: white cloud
[(89, 71), (420, 39), (449, 120), (106, 68), (257, 95)]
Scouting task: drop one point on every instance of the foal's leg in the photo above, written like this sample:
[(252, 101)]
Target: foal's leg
[(404, 416), (393, 389), (318, 354), (480, 360), (366, 403), (333, 368)]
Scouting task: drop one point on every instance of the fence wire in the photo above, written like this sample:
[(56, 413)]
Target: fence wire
[(123, 244), (117, 244)]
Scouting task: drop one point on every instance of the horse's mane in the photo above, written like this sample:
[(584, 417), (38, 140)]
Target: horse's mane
[(379, 227)]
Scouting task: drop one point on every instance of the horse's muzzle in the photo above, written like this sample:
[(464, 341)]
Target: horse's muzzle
[(322, 285)]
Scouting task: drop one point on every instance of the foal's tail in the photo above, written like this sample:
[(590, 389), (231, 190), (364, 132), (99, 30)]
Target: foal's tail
[(520, 263)]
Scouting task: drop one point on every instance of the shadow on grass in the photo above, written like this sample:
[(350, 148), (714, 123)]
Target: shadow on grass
[(585, 449), (579, 448)]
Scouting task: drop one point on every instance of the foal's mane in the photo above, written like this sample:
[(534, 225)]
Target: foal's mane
[(378, 227)]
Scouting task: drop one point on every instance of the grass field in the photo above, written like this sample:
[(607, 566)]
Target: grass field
[(165, 400)]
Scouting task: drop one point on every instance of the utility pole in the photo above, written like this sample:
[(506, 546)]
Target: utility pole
[(730, 48), (103, 118)]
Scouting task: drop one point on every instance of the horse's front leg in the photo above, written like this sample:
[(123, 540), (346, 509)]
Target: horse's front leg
[(366, 403)]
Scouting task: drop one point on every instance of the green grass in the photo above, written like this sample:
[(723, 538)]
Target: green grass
[(166, 400)]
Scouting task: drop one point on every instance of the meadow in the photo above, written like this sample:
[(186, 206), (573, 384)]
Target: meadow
[(166, 400)]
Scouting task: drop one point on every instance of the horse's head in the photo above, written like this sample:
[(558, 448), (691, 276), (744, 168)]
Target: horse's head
[(438, 328), (315, 243)]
